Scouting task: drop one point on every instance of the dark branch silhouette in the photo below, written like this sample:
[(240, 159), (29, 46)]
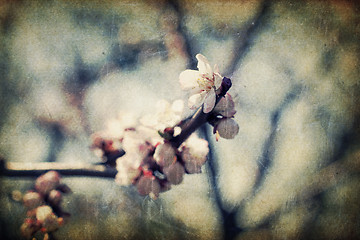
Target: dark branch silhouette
[(24, 169)]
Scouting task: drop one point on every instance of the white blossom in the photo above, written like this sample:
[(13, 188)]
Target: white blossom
[(202, 84), (115, 127), (166, 115), (128, 168)]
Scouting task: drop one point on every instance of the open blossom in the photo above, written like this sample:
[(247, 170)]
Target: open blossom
[(202, 84), (137, 149), (115, 126), (166, 115), (128, 168)]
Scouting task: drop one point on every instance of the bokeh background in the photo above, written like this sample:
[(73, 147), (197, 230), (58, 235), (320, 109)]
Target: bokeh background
[(66, 67)]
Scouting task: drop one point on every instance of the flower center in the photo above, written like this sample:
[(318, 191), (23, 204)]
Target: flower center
[(205, 82)]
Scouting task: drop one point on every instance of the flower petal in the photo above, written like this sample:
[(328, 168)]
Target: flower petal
[(177, 106), (196, 100), (203, 65), (188, 79), (218, 80), (209, 102)]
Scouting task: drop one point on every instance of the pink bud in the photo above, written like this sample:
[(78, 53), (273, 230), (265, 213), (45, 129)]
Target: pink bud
[(227, 128), (51, 223), (47, 182), (226, 106), (174, 173), (29, 228), (189, 156), (193, 167), (32, 200), (148, 185), (55, 197), (164, 155)]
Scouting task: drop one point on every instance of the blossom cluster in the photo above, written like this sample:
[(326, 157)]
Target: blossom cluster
[(208, 88), (151, 162), (154, 152), (44, 213)]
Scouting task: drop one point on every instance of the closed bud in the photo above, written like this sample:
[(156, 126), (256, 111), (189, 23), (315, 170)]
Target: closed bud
[(32, 200), (55, 197), (47, 182), (164, 155), (194, 154), (148, 185), (51, 223), (174, 173), (227, 128), (29, 228), (226, 106), (193, 167)]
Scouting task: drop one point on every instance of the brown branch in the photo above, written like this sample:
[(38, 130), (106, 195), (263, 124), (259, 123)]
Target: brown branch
[(26, 169)]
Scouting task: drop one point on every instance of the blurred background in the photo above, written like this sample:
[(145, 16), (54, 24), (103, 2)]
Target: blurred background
[(292, 172)]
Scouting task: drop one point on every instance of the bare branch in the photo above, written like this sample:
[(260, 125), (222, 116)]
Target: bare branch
[(26, 169)]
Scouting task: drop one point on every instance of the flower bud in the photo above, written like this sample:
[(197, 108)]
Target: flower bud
[(194, 153), (225, 86), (51, 223), (194, 162), (174, 173), (148, 185), (29, 228), (226, 106), (43, 212), (47, 182), (164, 155), (193, 167), (165, 186), (32, 200), (55, 197), (227, 128)]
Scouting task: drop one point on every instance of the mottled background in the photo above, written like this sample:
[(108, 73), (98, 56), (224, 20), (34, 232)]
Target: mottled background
[(291, 173)]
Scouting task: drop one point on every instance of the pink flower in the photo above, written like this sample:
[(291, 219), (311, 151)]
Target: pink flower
[(202, 84)]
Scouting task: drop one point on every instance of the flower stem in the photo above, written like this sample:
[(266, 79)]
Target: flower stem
[(190, 126)]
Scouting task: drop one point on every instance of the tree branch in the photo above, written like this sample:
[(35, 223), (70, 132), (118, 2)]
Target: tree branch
[(26, 169)]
